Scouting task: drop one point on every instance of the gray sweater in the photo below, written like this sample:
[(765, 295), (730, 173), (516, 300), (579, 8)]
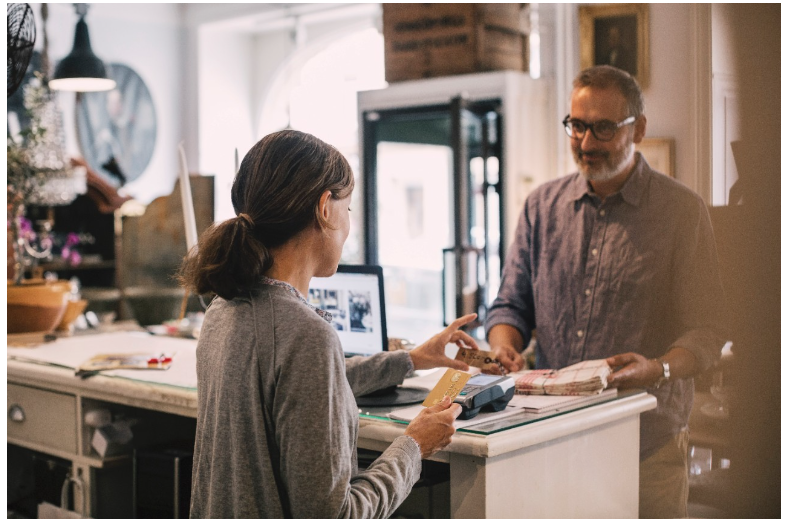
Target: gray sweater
[(277, 419)]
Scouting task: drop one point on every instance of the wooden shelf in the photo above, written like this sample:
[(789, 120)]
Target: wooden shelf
[(83, 266)]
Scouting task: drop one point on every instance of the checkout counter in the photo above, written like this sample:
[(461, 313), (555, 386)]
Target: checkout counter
[(580, 463)]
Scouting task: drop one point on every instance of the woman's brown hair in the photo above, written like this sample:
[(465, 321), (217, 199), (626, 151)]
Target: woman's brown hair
[(275, 195)]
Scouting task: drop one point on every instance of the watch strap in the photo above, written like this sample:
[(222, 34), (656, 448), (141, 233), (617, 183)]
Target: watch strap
[(666, 373)]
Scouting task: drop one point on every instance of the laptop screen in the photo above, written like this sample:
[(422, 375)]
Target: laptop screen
[(355, 298)]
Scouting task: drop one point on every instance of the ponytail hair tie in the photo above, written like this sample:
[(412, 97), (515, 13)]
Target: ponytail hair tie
[(245, 217)]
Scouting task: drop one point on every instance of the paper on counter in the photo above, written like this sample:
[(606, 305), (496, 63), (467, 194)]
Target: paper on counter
[(71, 352), (548, 403), (407, 414)]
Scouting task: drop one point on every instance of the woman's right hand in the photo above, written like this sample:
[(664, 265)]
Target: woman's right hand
[(433, 427)]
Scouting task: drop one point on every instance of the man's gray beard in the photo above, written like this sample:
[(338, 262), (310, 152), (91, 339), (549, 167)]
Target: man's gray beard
[(605, 173)]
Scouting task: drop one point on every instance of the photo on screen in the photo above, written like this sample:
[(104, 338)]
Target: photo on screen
[(361, 316), (333, 301), (355, 298)]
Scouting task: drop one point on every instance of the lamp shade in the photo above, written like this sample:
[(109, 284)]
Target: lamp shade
[(81, 70)]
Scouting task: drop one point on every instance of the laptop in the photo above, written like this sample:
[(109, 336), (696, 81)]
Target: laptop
[(354, 296)]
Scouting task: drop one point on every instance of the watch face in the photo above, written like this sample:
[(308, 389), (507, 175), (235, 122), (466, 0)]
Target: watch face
[(117, 128)]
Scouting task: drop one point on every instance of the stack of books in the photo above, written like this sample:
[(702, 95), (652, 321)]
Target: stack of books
[(588, 377)]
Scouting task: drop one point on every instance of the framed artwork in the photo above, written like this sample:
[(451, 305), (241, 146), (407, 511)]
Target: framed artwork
[(617, 35), (659, 153)]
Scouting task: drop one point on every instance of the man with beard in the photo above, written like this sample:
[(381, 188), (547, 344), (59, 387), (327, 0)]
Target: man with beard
[(617, 261)]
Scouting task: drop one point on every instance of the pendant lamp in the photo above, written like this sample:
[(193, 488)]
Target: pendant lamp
[(81, 70)]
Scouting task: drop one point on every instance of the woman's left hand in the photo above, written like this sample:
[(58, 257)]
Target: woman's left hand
[(431, 354)]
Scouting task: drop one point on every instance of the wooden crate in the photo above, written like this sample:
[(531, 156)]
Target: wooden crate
[(430, 40)]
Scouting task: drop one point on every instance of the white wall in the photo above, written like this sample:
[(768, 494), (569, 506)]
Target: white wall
[(242, 54), (725, 102), (225, 107), (670, 110)]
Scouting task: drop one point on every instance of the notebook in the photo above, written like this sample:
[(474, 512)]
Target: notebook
[(354, 296)]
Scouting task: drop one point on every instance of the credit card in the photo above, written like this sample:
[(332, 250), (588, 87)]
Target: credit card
[(476, 358), (451, 383)]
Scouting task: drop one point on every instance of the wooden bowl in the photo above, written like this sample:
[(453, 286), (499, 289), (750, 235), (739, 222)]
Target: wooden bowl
[(36, 307), (74, 309)]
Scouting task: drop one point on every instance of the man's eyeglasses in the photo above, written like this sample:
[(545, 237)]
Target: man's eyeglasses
[(603, 130)]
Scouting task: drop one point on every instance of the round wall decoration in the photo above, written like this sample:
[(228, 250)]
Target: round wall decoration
[(117, 128)]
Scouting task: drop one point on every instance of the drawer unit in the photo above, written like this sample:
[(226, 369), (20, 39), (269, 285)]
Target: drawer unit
[(41, 417)]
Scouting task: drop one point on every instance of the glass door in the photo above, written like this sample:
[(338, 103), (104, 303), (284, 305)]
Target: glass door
[(433, 211)]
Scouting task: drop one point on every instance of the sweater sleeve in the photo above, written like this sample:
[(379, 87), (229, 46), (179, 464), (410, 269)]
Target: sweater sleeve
[(316, 425), (385, 369), (378, 491)]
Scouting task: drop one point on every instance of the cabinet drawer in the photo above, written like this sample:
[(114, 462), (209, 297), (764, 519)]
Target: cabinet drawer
[(42, 417)]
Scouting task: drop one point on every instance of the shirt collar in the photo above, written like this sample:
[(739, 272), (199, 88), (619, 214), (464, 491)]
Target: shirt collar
[(325, 315), (631, 191), (635, 185)]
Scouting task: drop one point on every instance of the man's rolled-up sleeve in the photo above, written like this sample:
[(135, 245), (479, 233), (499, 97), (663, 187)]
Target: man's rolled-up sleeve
[(514, 304)]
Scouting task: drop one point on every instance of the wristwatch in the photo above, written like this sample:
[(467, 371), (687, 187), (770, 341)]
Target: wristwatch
[(666, 373)]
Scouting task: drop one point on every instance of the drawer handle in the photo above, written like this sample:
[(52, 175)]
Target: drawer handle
[(16, 414)]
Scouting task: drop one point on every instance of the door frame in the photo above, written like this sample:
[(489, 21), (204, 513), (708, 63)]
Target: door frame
[(462, 186)]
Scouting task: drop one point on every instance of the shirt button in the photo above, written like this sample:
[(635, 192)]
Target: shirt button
[(602, 212), (587, 292), (580, 333), (595, 252)]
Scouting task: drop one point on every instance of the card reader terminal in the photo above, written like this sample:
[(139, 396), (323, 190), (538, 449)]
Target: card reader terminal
[(489, 392)]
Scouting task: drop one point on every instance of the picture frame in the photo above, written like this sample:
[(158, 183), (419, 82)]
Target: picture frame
[(659, 153), (618, 35)]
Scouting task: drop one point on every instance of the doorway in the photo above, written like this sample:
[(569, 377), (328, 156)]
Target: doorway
[(433, 221)]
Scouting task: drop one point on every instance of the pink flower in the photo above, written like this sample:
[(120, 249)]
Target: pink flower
[(25, 224)]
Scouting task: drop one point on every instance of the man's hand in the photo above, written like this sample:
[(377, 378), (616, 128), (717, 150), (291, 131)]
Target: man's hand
[(639, 372), (431, 354), (631, 370), (509, 358), (433, 428), (506, 343)]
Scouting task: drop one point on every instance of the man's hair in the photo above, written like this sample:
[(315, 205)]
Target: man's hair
[(604, 76)]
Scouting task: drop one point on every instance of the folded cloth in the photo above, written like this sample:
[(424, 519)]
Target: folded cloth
[(588, 377)]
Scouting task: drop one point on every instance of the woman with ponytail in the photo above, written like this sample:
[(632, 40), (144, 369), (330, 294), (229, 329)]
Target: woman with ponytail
[(277, 419)]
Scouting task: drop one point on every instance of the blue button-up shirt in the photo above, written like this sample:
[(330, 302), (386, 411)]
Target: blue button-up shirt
[(636, 272)]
